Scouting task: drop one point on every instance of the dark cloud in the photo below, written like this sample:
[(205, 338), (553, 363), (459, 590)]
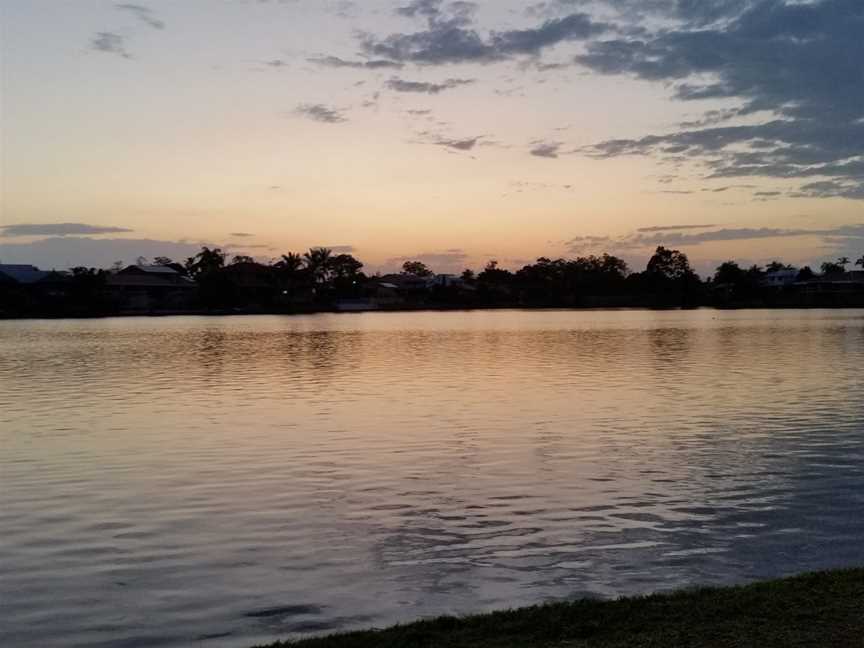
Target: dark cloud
[(336, 62), (110, 43), (683, 236), (459, 144), (67, 252), (58, 229), (241, 234), (449, 36), (402, 85), (797, 62), (144, 14), (449, 261), (669, 228), (339, 249), (546, 149), (320, 113), (276, 63)]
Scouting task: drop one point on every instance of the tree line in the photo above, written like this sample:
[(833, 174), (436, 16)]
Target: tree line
[(668, 279), (321, 279)]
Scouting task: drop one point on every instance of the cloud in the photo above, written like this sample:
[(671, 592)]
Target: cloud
[(339, 249), (402, 85), (798, 63), (276, 63), (683, 236), (241, 234), (144, 14), (450, 261), (459, 144), (449, 36), (67, 252), (336, 62), (320, 113), (110, 43), (667, 228), (546, 149), (58, 229)]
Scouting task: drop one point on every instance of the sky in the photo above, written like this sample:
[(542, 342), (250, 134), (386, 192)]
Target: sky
[(450, 132)]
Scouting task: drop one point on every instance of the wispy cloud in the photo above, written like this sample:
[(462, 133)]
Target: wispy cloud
[(403, 85), (144, 14), (110, 43), (670, 228), (320, 113), (336, 62), (58, 229), (546, 149), (465, 144), (691, 235)]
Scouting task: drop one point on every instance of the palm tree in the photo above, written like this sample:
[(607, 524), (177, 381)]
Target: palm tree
[(290, 263), (843, 261), (860, 262), (318, 264)]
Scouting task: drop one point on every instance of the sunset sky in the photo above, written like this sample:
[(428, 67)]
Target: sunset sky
[(452, 132)]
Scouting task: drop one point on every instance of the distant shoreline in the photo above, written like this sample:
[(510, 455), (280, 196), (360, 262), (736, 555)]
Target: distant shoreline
[(812, 610), (420, 309)]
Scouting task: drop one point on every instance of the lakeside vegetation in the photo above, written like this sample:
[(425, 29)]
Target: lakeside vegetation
[(810, 611), (321, 280)]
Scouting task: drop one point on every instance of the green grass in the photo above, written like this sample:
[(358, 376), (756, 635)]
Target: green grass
[(824, 610)]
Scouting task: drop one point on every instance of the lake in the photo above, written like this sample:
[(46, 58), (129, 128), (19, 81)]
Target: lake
[(223, 481)]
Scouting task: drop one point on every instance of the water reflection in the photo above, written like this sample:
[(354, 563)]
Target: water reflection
[(241, 479)]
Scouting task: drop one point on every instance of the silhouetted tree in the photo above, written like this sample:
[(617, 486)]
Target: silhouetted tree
[(416, 268), (318, 264), (831, 268), (777, 266), (669, 274), (670, 265), (860, 262), (346, 275), (468, 276), (345, 266), (729, 273), (241, 258), (206, 262), (290, 264), (805, 274)]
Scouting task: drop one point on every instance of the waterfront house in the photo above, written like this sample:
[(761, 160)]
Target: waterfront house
[(146, 288)]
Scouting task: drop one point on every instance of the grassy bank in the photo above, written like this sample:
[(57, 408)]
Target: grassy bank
[(818, 610)]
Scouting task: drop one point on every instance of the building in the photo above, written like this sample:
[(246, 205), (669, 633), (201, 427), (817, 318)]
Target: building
[(780, 278), (22, 274), (146, 288)]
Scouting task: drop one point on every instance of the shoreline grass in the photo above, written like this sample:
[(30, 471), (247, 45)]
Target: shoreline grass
[(824, 609)]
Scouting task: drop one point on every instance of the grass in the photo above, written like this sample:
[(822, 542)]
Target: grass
[(824, 610)]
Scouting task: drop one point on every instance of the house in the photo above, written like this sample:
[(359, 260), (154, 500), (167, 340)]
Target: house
[(22, 274), (144, 288), (250, 283), (780, 278)]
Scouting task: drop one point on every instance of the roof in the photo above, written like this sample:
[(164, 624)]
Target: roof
[(23, 274), (155, 280), (151, 269)]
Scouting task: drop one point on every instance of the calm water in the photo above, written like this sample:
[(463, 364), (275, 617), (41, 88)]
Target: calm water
[(226, 481)]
